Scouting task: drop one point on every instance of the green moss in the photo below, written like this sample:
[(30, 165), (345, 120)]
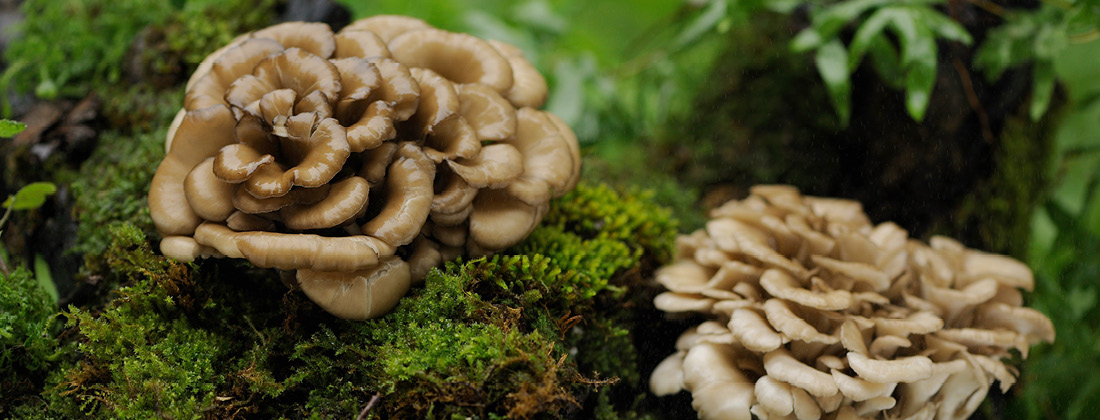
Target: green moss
[(28, 343), (111, 187), (598, 211), (139, 355), (175, 47), (76, 46), (531, 333)]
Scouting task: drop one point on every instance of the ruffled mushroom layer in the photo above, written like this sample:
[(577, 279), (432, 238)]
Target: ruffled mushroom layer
[(816, 313), (361, 158)]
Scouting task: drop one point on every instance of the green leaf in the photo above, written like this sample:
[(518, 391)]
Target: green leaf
[(9, 128), (831, 20), (702, 24), (884, 58), (1043, 235), (806, 40), (868, 33), (1050, 40), (828, 23), (30, 196), (913, 44), (1042, 90), (919, 81), (832, 62), (1072, 190), (45, 279), (943, 26), (782, 6)]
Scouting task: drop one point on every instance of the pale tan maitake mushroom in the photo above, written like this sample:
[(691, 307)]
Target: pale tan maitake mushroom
[(360, 159), (816, 313)]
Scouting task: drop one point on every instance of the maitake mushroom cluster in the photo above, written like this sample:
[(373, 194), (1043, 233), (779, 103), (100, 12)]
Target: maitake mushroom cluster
[(361, 159), (817, 313)]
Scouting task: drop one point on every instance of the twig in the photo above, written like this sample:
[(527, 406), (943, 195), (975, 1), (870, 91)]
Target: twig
[(370, 405), (972, 97), (1087, 36), (4, 219), (990, 7)]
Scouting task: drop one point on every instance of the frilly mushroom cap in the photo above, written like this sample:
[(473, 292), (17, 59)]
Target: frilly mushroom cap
[(359, 294), (459, 57), (361, 158), (834, 317), (199, 136), (386, 27), (528, 86)]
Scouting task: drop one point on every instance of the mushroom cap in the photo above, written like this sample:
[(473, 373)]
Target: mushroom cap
[(289, 251), (753, 332), (184, 248), (500, 220), (528, 86), (313, 37), (201, 133), (209, 197), (359, 43), (398, 88), (408, 199), (387, 26), (226, 65), (459, 57), (491, 116), (424, 257), (494, 166), (902, 369), (247, 203), (346, 200), (547, 158), (782, 366), (358, 295), (719, 389), (668, 377), (438, 102)]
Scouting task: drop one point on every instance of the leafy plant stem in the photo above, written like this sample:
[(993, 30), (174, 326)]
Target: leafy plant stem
[(3, 266), (7, 213), (991, 7), (1085, 37)]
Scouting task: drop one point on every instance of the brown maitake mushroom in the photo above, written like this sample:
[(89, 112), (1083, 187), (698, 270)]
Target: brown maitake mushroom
[(361, 159), (816, 313)]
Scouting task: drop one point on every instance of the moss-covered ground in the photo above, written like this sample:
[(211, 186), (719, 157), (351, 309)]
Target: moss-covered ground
[(537, 332)]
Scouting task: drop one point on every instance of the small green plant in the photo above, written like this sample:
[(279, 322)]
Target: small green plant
[(908, 65), (1065, 239), (29, 197), (900, 39), (1038, 37), (9, 128)]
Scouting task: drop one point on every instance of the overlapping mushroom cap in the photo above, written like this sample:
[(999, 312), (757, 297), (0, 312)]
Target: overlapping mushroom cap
[(816, 313), (361, 158)]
